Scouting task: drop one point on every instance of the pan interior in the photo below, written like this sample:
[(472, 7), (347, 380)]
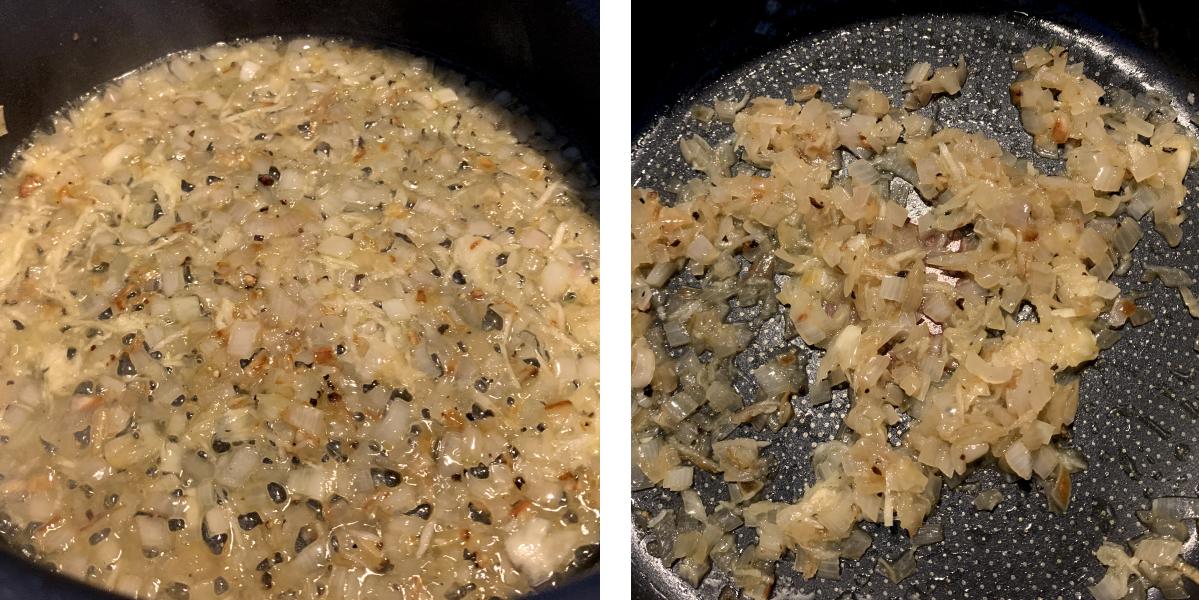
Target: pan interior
[(1138, 419)]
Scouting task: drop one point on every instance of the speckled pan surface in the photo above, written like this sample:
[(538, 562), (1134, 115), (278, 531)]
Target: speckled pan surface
[(1138, 421)]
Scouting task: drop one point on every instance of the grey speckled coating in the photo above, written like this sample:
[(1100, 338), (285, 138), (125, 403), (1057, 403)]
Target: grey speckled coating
[(1138, 420)]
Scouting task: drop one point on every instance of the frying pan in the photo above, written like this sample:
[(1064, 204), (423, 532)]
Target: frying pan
[(546, 52), (1138, 420)]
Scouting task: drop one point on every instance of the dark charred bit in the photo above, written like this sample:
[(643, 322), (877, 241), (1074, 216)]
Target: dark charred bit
[(125, 366), (422, 511), (479, 515), (84, 436), (305, 537), (277, 492), (460, 592), (492, 321), (385, 477), (215, 543), (249, 521)]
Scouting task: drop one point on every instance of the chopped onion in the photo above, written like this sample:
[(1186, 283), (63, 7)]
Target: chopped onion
[(337, 246), (856, 544), (1170, 276), (153, 532), (243, 337), (678, 479), (308, 419), (218, 520), (693, 506), (1111, 587), (676, 333), (830, 568), (1140, 316), (988, 499), (902, 568), (893, 288), (928, 534), (240, 465), (1176, 507), (1019, 459)]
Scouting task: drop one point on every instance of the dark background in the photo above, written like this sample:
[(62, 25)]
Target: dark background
[(680, 47), (546, 52)]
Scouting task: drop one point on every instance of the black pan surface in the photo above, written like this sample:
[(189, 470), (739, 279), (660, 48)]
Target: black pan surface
[(1138, 421), (546, 52)]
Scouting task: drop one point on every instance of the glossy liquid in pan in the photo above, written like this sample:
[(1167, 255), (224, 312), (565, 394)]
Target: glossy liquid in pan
[(55, 51)]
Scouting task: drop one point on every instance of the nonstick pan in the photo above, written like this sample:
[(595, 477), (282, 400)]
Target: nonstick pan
[(1138, 420), (545, 52)]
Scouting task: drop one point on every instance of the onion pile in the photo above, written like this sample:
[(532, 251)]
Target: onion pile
[(965, 314), (299, 319)]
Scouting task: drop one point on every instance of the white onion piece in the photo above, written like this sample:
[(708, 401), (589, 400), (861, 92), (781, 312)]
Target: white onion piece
[(1176, 507), (308, 419), (678, 479), (893, 288), (152, 532), (238, 467), (643, 364), (1111, 587), (243, 337), (218, 520), (988, 499), (337, 246)]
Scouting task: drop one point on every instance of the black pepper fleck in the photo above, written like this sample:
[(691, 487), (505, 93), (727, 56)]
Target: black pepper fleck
[(125, 366), (385, 477), (277, 492), (479, 515), (492, 321), (249, 521), (422, 511), (99, 536)]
